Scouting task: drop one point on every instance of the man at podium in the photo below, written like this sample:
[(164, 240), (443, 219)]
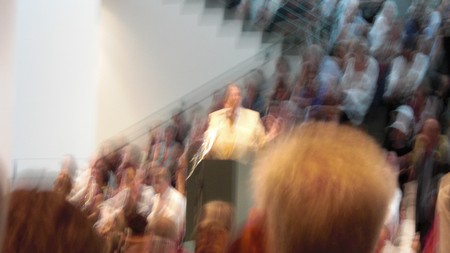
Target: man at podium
[(235, 133)]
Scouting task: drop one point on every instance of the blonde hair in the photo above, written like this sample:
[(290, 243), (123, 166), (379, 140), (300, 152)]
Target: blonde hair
[(325, 189), (213, 227)]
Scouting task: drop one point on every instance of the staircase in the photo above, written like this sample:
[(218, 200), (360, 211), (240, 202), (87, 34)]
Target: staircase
[(134, 77)]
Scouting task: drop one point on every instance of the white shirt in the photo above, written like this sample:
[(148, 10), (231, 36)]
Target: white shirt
[(405, 78), (170, 204), (145, 203), (359, 88)]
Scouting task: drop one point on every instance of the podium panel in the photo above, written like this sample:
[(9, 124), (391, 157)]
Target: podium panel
[(224, 180)]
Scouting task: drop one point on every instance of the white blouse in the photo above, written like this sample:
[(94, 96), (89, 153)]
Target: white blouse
[(358, 88)]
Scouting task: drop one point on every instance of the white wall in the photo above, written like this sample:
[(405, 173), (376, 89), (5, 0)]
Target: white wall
[(154, 52), (56, 52), (7, 26)]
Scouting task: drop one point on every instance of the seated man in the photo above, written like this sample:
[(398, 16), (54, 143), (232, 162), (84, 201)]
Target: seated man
[(234, 132), (167, 202), (324, 189)]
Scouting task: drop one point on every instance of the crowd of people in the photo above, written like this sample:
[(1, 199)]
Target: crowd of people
[(328, 187)]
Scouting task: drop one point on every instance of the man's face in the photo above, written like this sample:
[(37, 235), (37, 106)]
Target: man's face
[(234, 97), (159, 184)]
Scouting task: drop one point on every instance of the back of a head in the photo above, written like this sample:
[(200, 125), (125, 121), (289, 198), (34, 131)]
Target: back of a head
[(325, 189), (213, 227), (43, 222), (164, 236)]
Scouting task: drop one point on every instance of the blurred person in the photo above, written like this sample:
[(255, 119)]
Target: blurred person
[(282, 71), (430, 159), (391, 47), (164, 236), (167, 152), (126, 180), (137, 197), (358, 84), (167, 202), (305, 91), (382, 25), (130, 159), (253, 99), (407, 73), (96, 191), (424, 105), (154, 136), (330, 73), (213, 228), (81, 182), (271, 116), (350, 25), (110, 152), (354, 180), (136, 239), (287, 118), (234, 132), (399, 140), (181, 126), (42, 222), (281, 91)]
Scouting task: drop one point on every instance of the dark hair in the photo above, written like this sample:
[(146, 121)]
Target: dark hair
[(409, 42)]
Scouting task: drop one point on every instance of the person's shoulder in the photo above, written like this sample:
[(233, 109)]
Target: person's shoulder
[(218, 113), (177, 196), (249, 112)]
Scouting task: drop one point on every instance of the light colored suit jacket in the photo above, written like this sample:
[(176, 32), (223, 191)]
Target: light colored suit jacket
[(238, 140)]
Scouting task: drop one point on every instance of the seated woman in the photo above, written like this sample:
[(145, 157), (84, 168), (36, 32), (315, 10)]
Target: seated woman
[(281, 91), (382, 25), (358, 84)]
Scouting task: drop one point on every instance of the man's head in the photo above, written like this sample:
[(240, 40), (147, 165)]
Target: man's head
[(169, 134), (161, 179), (233, 97), (431, 130), (325, 189), (44, 222)]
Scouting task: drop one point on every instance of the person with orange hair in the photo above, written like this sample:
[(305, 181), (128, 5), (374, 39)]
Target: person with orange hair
[(324, 189)]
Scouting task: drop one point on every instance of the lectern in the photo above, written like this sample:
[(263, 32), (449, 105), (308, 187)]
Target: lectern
[(224, 180)]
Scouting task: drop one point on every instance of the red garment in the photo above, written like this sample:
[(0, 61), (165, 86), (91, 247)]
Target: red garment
[(431, 241)]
